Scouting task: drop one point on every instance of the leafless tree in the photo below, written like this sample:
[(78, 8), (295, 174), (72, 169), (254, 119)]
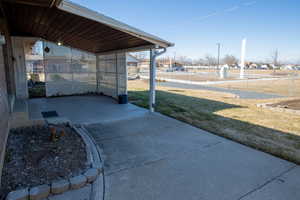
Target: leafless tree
[(230, 60), (199, 61), (184, 60), (211, 61)]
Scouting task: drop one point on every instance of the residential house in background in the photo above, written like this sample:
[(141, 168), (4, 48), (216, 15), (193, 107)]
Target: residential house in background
[(133, 67)]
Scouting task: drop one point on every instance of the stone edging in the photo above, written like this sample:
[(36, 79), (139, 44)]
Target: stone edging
[(278, 109), (93, 176)]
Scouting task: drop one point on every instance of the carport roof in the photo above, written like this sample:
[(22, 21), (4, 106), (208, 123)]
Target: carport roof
[(75, 26)]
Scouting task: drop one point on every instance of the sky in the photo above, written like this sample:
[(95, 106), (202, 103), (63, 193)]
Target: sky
[(196, 26)]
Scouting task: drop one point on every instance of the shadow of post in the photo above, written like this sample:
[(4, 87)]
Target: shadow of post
[(201, 113)]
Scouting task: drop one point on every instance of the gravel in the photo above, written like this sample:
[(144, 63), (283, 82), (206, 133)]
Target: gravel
[(33, 159)]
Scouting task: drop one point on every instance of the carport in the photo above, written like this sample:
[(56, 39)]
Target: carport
[(68, 30), (83, 52)]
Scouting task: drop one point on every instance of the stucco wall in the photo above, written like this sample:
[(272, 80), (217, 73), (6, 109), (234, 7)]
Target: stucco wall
[(4, 111)]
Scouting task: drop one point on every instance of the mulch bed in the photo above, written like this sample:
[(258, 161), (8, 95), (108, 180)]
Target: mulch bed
[(33, 158), (291, 104)]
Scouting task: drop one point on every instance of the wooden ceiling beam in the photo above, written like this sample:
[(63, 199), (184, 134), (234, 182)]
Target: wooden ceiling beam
[(52, 24), (30, 2)]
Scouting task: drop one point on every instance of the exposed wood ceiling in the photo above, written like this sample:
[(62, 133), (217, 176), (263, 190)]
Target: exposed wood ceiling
[(36, 18), (43, 3)]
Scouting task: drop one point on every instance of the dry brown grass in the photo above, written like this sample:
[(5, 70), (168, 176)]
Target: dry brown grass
[(224, 114)]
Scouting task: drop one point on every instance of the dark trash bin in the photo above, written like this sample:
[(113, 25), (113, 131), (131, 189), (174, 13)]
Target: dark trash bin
[(123, 99)]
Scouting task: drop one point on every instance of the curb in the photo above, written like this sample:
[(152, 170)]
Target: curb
[(98, 187), (102, 157)]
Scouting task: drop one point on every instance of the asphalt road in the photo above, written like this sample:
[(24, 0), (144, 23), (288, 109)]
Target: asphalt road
[(242, 94)]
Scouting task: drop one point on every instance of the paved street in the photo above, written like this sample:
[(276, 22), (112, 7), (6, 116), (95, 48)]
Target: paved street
[(241, 93)]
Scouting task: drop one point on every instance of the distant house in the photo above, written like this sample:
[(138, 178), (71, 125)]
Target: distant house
[(264, 67), (132, 61), (253, 66), (133, 67), (288, 67)]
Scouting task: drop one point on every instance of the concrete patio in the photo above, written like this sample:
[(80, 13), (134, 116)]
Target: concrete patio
[(150, 156), (84, 109)]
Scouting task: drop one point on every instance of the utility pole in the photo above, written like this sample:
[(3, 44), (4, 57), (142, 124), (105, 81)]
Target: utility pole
[(219, 48), (243, 54), (275, 58)]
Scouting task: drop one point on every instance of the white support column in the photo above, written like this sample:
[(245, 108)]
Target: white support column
[(152, 80), (243, 54), (153, 54), (117, 76), (126, 77)]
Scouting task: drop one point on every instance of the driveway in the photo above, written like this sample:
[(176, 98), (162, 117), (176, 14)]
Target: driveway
[(153, 157)]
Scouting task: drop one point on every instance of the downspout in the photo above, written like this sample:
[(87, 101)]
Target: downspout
[(153, 55)]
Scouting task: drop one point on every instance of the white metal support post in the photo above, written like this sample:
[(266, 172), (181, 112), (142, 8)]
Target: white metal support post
[(152, 80), (153, 54), (243, 54)]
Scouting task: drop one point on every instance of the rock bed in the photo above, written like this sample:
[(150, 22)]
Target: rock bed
[(32, 158)]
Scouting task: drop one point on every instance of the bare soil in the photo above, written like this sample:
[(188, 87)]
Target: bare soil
[(32, 158), (291, 104)]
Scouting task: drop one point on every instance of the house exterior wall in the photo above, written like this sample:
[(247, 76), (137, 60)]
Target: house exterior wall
[(20, 68), (4, 110), (112, 74), (8, 62)]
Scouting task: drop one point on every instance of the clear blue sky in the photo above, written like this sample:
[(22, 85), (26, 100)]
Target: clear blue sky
[(195, 26)]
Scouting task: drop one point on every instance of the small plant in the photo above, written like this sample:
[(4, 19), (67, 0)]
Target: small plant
[(56, 133)]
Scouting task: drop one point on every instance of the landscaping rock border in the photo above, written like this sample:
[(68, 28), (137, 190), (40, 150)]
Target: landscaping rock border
[(278, 109), (93, 176)]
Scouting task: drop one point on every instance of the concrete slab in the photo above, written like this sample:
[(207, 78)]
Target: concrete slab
[(147, 139), (224, 171), (282, 187), (84, 109)]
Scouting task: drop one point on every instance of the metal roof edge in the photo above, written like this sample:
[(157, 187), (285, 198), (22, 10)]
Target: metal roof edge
[(79, 10)]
